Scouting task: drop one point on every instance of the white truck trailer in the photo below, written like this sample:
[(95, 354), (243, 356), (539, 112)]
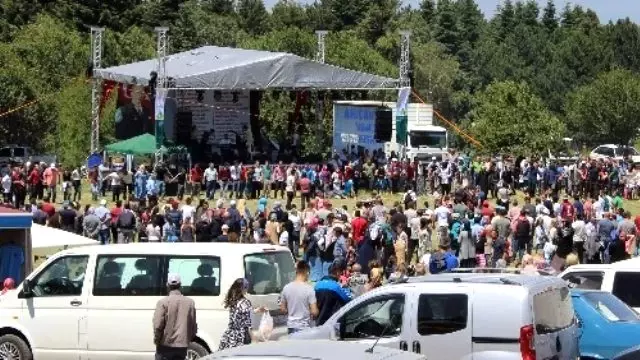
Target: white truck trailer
[(354, 124)]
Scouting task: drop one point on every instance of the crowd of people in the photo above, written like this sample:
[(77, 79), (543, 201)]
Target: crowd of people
[(494, 213)]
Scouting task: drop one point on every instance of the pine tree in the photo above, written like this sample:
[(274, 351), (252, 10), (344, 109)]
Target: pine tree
[(447, 32), (253, 16), (428, 10), (549, 19)]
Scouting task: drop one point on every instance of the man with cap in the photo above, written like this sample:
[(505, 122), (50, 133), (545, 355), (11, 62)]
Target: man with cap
[(174, 322)]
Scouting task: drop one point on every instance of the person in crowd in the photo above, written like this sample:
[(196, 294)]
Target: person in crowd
[(298, 300), (174, 322), (238, 330), (330, 295)]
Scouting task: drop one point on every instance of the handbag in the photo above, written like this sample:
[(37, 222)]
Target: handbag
[(247, 337)]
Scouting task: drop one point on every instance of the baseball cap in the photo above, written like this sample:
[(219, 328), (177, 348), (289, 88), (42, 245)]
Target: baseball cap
[(103, 202), (173, 279)]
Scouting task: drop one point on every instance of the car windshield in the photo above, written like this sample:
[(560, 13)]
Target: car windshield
[(435, 139), (610, 307), (269, 272)]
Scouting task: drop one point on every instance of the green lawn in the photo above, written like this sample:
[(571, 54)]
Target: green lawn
[(633, 206)]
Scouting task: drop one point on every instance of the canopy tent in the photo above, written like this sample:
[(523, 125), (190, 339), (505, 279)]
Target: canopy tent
[(221, 68), (140, 145), (47, 240)]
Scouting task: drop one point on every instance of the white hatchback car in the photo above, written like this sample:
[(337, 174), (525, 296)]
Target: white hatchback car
[(462, 317)]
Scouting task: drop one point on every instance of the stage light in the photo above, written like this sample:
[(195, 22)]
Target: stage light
[(235, 97), (89, 70), (217, 95), (200, 95), (153, 82)]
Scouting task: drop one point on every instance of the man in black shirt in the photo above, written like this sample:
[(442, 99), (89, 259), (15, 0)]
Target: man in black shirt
[(67, 217)]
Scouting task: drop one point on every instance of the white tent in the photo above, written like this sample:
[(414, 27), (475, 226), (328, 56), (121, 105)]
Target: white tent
[(46, 240), (221, 68)]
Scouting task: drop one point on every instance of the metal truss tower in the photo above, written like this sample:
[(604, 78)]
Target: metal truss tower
[(161, 54), (96, 62), (320, 55), (405, 58), (320, 52)]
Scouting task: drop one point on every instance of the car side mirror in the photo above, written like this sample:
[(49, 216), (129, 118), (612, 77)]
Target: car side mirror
[(27, 290)]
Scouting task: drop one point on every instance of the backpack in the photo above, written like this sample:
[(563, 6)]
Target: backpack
[(126, 220), (523, 228), (437, 263), (387, 234)]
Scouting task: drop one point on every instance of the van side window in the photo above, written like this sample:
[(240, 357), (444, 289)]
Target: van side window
[(372, 317), (553, 310), (128, 275), (442, 313), (200, 275), (625, 287), (63, 277), (585, 280)]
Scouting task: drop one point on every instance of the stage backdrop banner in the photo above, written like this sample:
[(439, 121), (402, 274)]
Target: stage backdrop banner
[(354, 125), (223, 112), (134, 114)]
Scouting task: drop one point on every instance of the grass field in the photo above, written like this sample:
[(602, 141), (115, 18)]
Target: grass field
[(631, 205)]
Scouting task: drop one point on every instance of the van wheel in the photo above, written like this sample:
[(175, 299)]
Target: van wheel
[(196, 351), (14, 348)]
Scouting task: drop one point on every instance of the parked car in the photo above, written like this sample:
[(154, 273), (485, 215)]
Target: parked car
[(17, 155), (619, 278), (615, 152), (313, 350), (629, 354), (607, 324), (462, 316), (99, 300)]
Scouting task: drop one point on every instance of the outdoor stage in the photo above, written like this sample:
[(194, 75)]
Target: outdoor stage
[(213, 94)]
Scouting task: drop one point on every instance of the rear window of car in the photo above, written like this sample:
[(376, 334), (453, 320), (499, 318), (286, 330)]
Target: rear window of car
[(610, 307), (625, 287), (268, 272), (585, 280), (552, 310)]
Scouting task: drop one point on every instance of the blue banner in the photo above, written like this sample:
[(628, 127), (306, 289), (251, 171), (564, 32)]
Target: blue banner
[(354, 125)]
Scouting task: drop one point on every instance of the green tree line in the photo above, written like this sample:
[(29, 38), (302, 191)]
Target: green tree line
[(518, 82)]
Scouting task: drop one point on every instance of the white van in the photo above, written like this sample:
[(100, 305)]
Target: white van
[(462, 316), (620, 279), (97, 302)]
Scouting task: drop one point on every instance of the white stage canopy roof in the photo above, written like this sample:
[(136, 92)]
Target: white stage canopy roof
[(221, 68)]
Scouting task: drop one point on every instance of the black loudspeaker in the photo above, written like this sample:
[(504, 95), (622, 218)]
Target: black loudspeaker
[(384, 125), (184, 121)]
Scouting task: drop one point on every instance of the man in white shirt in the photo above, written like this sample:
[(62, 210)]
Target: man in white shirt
[(442, 216), (234, 174), (579, 236), (210, 181), (188, 211)]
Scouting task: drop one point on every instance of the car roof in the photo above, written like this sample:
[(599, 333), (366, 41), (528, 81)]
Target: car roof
[(527, 281), (315, 350), (174, 249), (620, 265), (579, 292)]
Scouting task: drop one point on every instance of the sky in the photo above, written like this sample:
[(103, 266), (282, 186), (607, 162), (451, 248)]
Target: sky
[(606, 9)]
